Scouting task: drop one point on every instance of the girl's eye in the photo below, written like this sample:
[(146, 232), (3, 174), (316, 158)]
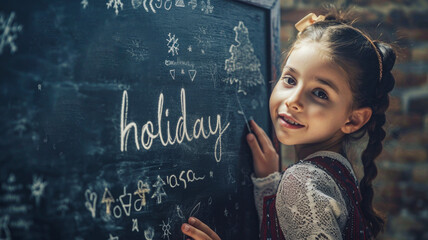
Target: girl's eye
[(289, 80), (320, 94)]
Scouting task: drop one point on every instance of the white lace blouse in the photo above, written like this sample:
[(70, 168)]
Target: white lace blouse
[(309, 203)]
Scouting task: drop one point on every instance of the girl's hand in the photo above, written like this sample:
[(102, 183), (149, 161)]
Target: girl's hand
[(265, 157), (198, 230)]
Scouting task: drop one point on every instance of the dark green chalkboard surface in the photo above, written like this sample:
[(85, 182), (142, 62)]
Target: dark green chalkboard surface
[(122, 118)]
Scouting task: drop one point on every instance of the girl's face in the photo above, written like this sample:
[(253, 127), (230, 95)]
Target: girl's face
[(312, 100)]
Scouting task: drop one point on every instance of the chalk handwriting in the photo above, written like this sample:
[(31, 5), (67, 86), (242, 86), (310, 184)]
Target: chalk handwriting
[(111, 237), (84, 3), (207, 8), (125, 200), (193, 3), (136, 3), (185, 177), (4, 228), (181, 132)]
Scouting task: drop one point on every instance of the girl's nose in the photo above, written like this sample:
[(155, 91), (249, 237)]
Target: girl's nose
[(294, 101)]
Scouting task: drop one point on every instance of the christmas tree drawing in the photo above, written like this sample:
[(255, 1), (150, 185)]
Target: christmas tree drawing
[(160, 192), (243, 67)]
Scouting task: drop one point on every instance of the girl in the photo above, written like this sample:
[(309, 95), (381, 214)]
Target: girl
[(333, 89)]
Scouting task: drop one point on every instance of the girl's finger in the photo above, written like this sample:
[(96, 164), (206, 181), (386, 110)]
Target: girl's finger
[(193, 232), (261, 136), (204, 228), (254, 146)]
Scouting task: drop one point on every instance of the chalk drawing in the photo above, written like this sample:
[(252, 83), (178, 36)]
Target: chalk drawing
[(135, 225), (4, 228), (63, 206), (9, 32), (213, 72), (39, 87), (37, 188), (192, 74), (143, 188), (125, 200), (172, 44), (172, 73), (115, 4), (211, 174), (243, 67), (231, 179), (182, 72), (180, 212), (136, 3), (84, 3), (226, 213), (107, 199), (150, 4), (168, 4), (236, 206), (160, 192), (204, 40), (210, 200), (207, 8), (11, 178), (91, 201), (241, 111), (166, 227), (137, 50), (179, 3), (111, 237), (193, 3), (149, 233), (189, 48), (195, 209)]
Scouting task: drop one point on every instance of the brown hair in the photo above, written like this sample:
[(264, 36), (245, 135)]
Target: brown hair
[(362, 59)]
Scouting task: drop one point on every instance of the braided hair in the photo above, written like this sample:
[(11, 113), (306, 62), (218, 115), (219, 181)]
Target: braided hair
[(368, 64)]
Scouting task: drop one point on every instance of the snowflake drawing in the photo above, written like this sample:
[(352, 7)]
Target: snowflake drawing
[(84, 3), (9, 32), (115, 4), (37, 188), (207, 7), (172, 44)]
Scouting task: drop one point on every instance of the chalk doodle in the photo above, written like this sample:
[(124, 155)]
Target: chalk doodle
[(172, 73), (84, 3), (193, 4), (179, 3), (137, 50), (107, 199), (149, 233), (182, 72), (231, 179), (189, 48), (136, 3), (111, 237), (180, 212), (207, 8), (126, 197), (150, 5), (160, 192), (195, 209), (203, 39), (143, 188), (9, 32), (63, 206), (115, 4), (210, 200), (172, 44), (243, 67), (241, 111), (226, 213), (4, 228), (135, 225), (166, 227), (192, 74), (37, 188), (39, 87), (91, 201)]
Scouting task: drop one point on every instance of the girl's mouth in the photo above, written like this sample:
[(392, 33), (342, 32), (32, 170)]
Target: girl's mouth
[(289, 123)]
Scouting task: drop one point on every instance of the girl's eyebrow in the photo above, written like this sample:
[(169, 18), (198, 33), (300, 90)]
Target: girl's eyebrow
[(323, 81), (328, 83)]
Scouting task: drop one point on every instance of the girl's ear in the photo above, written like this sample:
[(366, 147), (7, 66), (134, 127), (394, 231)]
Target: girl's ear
[(356, 120)]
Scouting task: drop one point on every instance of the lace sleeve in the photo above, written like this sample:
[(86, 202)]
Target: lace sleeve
[(264, 187), (309, 204)]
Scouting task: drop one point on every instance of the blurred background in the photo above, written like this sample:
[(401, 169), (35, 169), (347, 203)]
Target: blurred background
[(401, 187)]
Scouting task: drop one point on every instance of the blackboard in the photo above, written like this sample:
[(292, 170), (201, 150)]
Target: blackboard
[(122, 118)]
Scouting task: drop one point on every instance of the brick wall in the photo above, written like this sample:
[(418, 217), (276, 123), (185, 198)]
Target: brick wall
[(401, 187)]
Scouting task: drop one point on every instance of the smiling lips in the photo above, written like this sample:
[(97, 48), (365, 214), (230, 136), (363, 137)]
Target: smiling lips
[(289, 122)]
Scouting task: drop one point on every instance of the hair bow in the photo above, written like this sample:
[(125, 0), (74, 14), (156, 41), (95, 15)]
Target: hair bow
[(308, 20)]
